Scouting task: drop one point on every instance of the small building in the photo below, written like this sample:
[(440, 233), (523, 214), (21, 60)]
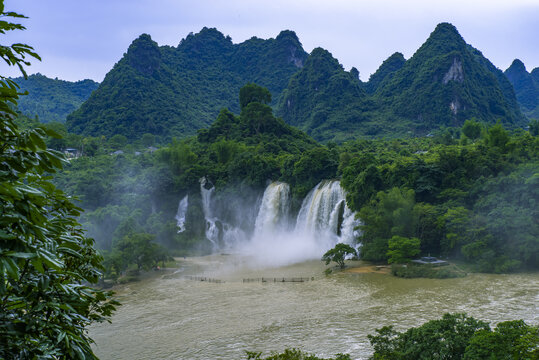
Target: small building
[(71, 153)]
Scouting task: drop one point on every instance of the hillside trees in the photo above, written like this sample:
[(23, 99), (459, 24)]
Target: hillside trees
[(474, 202), (45, 259)]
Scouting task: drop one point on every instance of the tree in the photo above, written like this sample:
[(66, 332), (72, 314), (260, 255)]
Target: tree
[(117, 141), (446, 338), (45, 259), (471, 128), (534, 127), (510, 340), (139, 249), (148, 139), (292, 354), (389, 214), (402, 249), (338, 254), (254, 93)]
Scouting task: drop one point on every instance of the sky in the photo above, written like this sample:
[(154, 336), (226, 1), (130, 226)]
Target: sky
[(80, 39)]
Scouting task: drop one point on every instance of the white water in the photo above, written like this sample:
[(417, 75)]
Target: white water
[(323, 221), (274, 210), (212, 231), (181, 214), (324, 213)]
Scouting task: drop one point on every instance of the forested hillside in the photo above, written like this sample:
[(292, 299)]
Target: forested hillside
[(174, 91), (468, 194), (526, 87), (444, 83), (52, 99)]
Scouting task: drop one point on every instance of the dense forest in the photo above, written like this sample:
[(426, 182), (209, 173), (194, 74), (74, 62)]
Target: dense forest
[(51, 100), (467, 193), (99, 196), (174, 91), (526, 87)]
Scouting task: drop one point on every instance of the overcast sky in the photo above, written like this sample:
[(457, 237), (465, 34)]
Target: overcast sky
[(80, 39)]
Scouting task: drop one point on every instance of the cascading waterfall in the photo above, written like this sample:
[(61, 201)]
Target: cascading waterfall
[(323, 220), (222, 235), (324, 213), (321, 208), (212, 231), (181, 214), (274, 209)]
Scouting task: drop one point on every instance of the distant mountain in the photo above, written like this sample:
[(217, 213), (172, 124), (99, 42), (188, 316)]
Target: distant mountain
[(174, 91), (323, 99), (385, 72), (526, 87), (52, 99), (446, 82)]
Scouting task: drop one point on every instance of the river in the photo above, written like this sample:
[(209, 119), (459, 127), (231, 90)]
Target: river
[(169, 316)]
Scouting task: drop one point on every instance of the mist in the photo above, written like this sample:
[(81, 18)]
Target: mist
[(276, 236)]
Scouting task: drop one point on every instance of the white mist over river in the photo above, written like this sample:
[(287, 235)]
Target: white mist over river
[(172, 317), (279, 237)]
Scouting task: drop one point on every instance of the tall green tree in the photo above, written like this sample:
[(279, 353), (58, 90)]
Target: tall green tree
[(45, 258)]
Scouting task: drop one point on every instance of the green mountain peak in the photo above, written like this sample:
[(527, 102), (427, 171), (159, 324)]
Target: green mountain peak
[(144, 55), (526, 87)]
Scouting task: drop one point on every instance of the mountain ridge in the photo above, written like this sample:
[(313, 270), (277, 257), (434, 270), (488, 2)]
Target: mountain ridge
[(174, 91)]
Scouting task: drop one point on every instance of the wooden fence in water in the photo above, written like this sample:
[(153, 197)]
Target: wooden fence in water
[(279, 279), (206, 279), (254, 280)]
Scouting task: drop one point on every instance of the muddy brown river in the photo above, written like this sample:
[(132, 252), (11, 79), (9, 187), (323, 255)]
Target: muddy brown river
[(176, 316)]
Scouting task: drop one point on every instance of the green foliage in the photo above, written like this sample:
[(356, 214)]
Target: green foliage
[(292, 354), (389, 214), (471, 129), (473, 201), (175, 91), (412, 270), (117, 142), (534, 127), (52, 99), (444, 83), (457, 336), (338, 254), (385, 72), (253, 93), (526, 86), (402, 249), (46, 261), (135, 248)]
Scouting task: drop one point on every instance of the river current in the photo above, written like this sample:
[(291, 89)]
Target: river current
[(174, 315)]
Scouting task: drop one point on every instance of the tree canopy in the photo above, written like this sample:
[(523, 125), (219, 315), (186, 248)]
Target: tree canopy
[(46, 261)]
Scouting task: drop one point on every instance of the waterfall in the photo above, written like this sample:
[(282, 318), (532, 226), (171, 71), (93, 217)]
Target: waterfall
[(222, 235), (324, 213), (212, 231), (181, 214), (321, 208), (323, 221), (274, 209)]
